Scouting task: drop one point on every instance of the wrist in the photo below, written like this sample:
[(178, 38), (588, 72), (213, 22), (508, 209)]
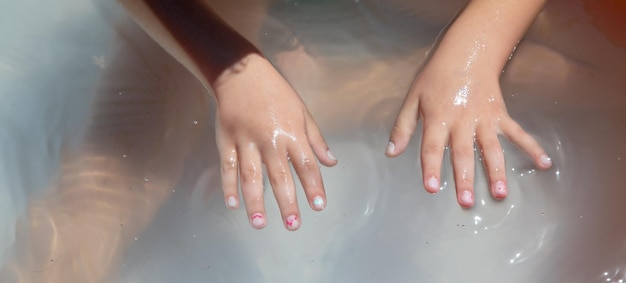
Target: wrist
[(246, 70), (463, 58), (486, 33)]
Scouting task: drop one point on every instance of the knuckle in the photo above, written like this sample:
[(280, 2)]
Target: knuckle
[(489, 143), (463, 153), (397, 129), (517, 131), (279, 175), (432, 149), (249, 173), (513, 128), (308, 165), (229, 165)]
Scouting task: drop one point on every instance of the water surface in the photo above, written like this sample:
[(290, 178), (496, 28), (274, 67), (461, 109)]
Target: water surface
[(109, 169)]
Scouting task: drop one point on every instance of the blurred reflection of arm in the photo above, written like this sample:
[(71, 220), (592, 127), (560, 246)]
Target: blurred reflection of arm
[(111, 185)]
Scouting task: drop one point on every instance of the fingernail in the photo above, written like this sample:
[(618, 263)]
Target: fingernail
[(318, 203), (391, 147), (292, 222), (546, 160), (467, 198), (331, 156), (433, 184), (257, 220), (500, 190), (231, 202)]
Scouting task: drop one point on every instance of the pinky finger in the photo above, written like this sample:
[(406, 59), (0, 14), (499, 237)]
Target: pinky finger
[(514, 132)]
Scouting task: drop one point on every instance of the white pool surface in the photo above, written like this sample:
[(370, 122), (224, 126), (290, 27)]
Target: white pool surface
[(109, 171)]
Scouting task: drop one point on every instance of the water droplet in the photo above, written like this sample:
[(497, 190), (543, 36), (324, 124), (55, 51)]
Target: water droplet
[(146, 179), (136, 238), (123, 155), (195, 122)]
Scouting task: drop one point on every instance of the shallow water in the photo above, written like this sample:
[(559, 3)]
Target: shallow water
[(109, 167)]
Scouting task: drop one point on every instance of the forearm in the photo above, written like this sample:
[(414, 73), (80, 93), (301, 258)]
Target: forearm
[(486, 32), (193, 34)]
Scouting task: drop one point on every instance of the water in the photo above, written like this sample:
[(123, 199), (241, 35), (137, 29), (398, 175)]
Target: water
[(109, 166)]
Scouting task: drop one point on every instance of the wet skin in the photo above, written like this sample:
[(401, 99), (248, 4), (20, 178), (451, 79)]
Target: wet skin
[(262, 121), (458, 98)]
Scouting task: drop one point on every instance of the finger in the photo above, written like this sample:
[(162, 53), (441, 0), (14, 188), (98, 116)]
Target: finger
[(228, 168), (308, 171), (279, 173), (526, 142), (462, 147), (318, 143), (493, 159), (404, 126), (251, 175), (434, 141)]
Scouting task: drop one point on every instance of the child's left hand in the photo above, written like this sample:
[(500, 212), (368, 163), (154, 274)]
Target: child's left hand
[(460, 103)]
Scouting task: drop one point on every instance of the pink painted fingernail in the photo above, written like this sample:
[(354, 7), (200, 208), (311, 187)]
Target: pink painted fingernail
[(433, 184), (467, 198), (391, 147), (231, 202), (500, 190), (546, 160), (257, 220), (292, 222), (318, 203)]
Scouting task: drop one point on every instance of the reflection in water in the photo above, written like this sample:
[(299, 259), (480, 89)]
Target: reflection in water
[(135, 196)]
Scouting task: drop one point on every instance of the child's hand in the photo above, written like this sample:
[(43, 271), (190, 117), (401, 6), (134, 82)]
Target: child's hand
[(260, 121), (460, 103)]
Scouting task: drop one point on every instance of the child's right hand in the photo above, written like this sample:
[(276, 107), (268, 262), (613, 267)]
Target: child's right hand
[(261, 120)]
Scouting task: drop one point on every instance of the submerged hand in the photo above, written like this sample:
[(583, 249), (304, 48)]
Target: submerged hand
[(459, 108), (262, 121)]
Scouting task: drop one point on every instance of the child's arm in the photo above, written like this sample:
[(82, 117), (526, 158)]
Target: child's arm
[(457, 95), (260, 120)]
